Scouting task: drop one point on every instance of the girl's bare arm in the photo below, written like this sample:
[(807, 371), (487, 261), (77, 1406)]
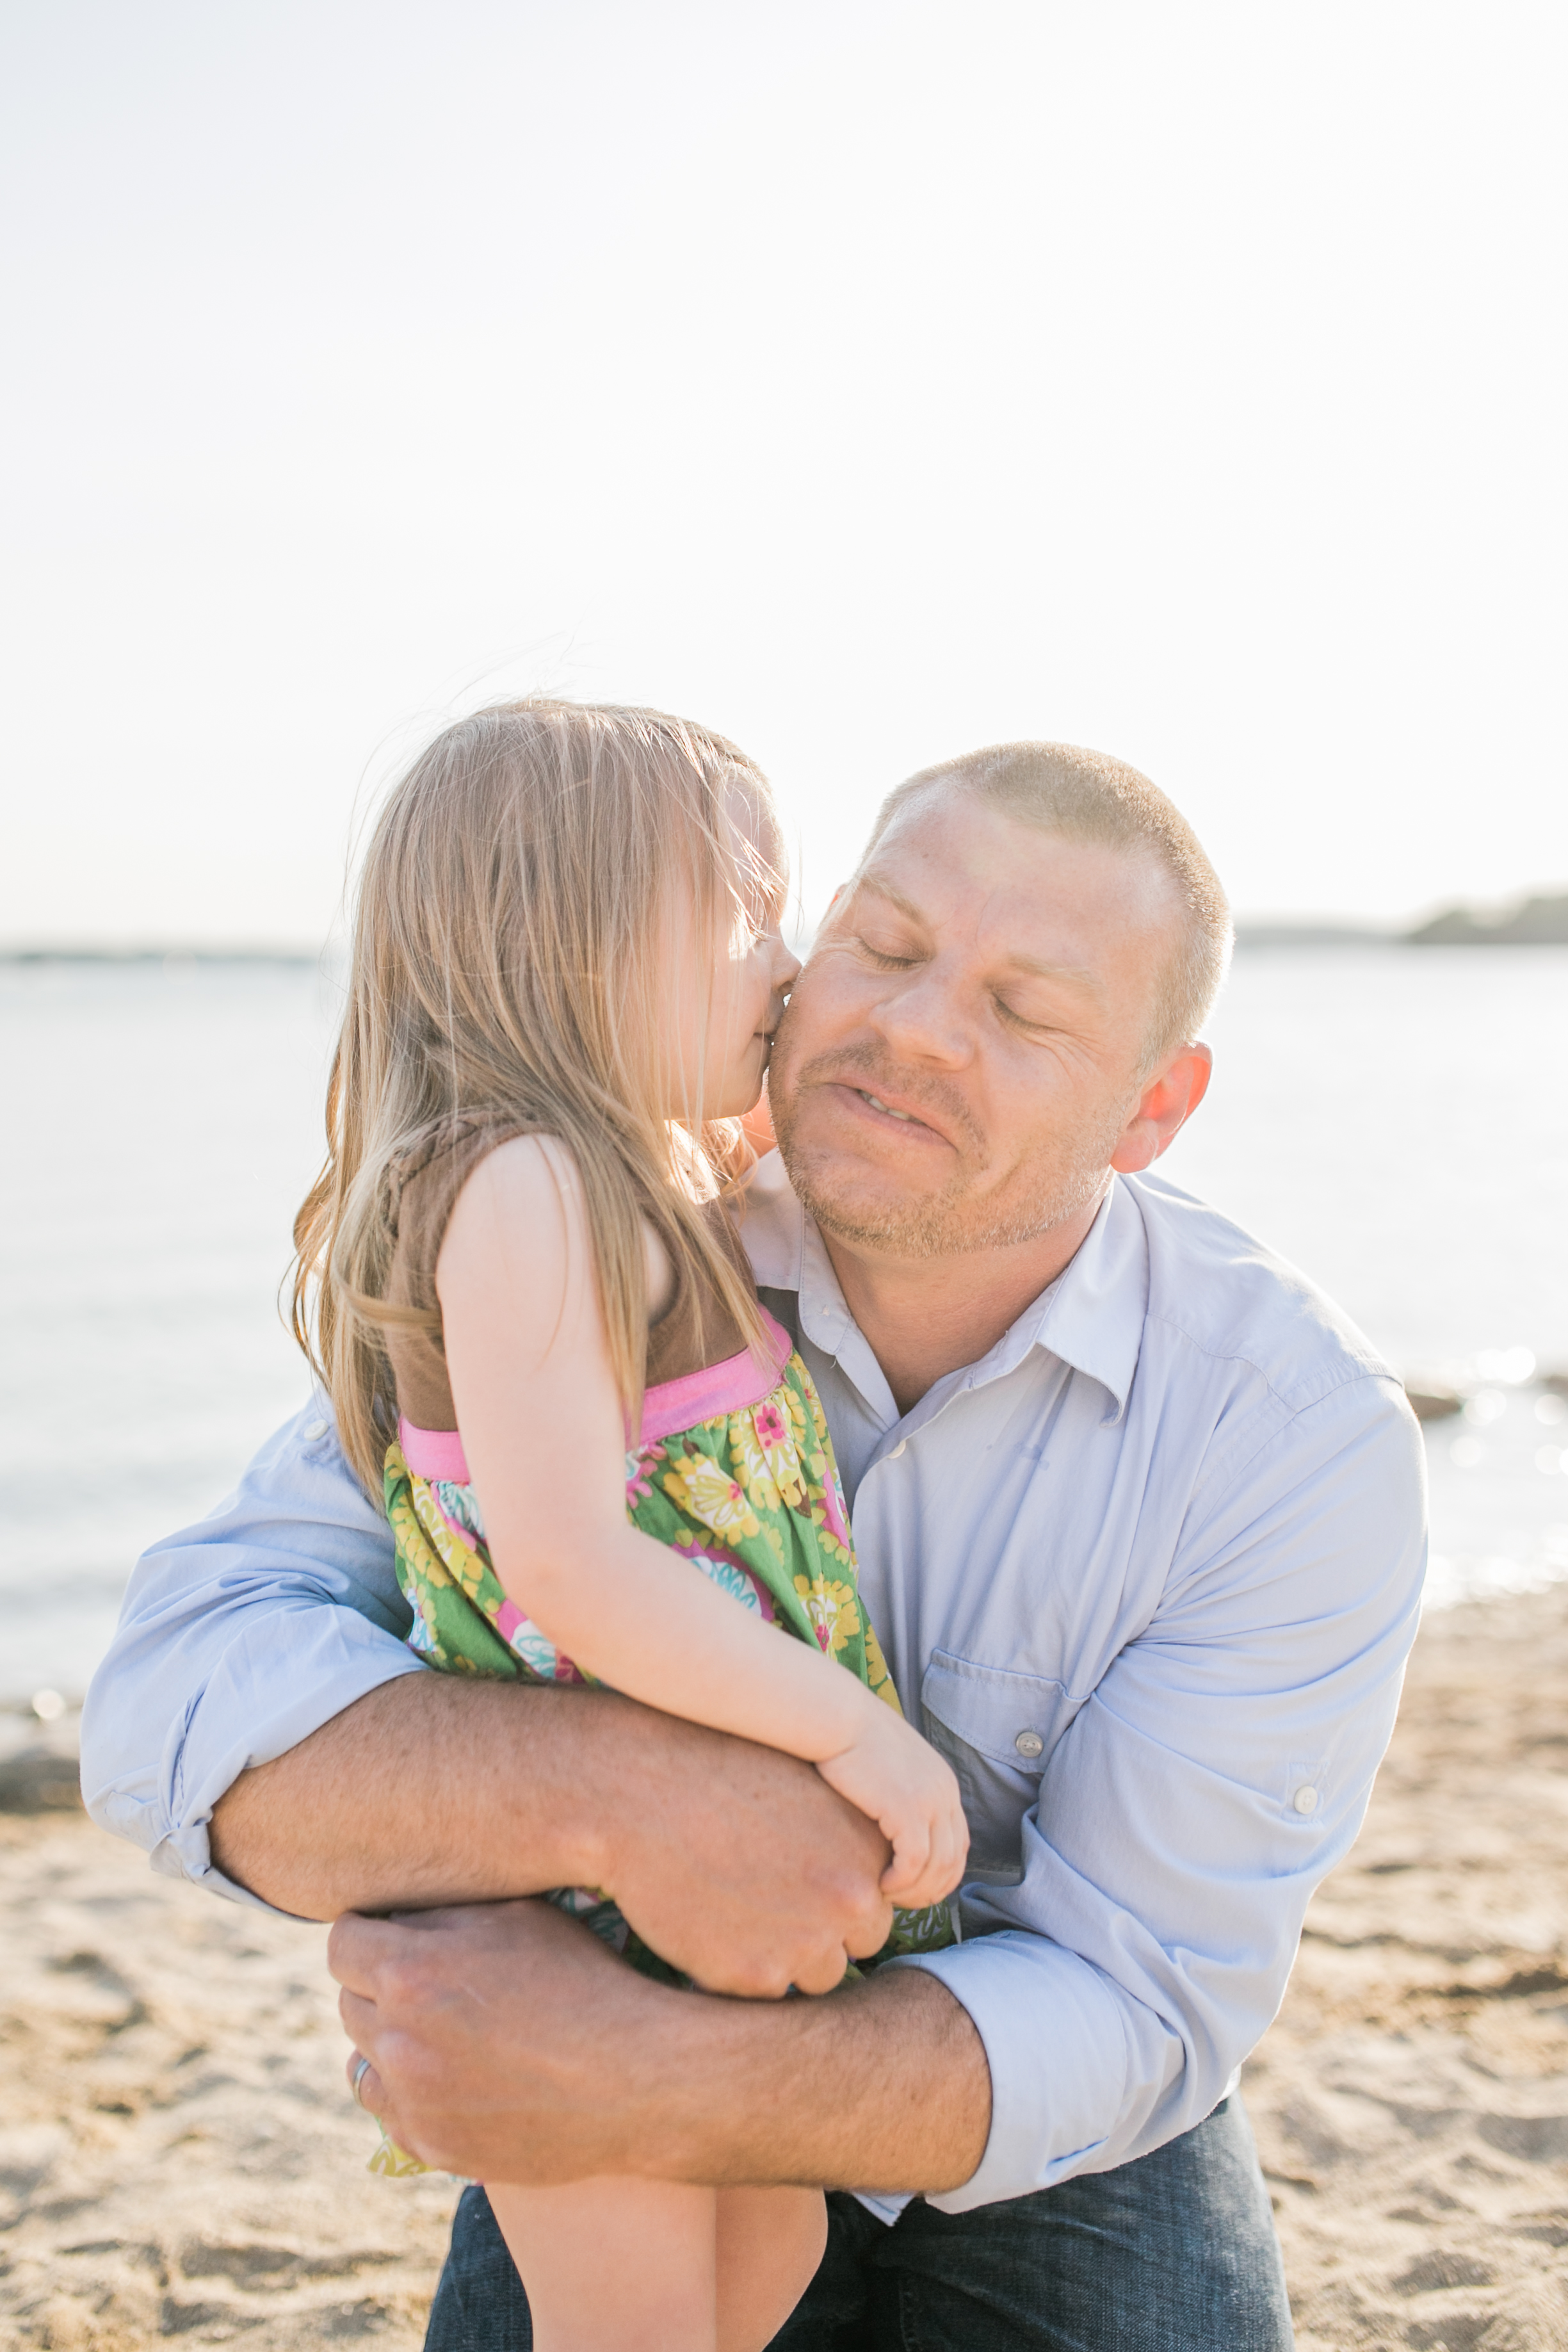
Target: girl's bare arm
[(738, 1863), (543, 1430)]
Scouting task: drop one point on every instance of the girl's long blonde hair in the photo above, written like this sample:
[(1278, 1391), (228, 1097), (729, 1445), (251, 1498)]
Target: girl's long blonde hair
[(510, 957)]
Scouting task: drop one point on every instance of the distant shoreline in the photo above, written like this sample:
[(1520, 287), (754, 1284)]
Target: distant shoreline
[(1251, 938), (1264, 938), (1313, 934), (1541, 920), (178, 956)]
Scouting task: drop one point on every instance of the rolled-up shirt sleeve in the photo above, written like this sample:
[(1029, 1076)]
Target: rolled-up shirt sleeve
[(238, 1638), (1218, 1771)]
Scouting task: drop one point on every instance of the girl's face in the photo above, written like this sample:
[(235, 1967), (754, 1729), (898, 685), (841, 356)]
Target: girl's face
[(727, 1003)]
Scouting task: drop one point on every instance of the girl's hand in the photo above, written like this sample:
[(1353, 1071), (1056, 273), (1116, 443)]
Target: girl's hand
[(897, 1778)]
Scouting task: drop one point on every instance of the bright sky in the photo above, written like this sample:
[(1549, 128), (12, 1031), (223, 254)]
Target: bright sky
[(871, 381)]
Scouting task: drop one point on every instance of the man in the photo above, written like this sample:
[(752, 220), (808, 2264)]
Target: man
[(1139, 1523)]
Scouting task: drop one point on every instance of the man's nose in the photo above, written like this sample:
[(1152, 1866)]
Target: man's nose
[(923, 1019)]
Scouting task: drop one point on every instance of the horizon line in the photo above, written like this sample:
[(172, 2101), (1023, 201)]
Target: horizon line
[(1320, 926)]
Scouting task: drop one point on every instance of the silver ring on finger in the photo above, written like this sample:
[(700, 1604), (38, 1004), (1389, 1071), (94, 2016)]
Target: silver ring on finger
[(356, 2082)]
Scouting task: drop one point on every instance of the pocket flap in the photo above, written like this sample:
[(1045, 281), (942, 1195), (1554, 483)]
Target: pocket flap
[(993, 1709)]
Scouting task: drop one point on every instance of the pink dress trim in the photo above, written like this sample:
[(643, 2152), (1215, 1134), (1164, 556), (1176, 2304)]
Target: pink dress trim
[(434, 1453), (730, 1387), (740, 1381)]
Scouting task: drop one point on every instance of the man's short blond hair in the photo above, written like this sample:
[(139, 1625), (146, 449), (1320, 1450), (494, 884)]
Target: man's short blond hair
[(1088, 797)]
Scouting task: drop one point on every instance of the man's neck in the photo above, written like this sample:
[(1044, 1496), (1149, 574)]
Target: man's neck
[(924, 1318)]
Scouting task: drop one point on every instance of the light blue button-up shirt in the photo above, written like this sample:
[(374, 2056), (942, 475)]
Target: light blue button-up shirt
[(1147, 1575)]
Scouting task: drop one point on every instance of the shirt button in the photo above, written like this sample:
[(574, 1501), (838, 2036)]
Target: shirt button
[(1029, 1743), (898, 1449), (314, 1429), (1305, 1800)]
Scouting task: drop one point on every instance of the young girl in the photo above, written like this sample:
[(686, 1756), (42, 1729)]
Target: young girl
[(544, 1347)]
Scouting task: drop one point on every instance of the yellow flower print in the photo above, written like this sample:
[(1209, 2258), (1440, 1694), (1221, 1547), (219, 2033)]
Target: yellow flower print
[(829, 1516), (751, 1465), (462, 1563), (810, 1453), (878, 1679), (833, 1609), (406, 1526), (703, 1488), (767, 1459), (819, 1464)]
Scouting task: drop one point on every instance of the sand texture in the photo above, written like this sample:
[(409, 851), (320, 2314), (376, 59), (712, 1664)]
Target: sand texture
[(178, 2156), (1412, 2100)]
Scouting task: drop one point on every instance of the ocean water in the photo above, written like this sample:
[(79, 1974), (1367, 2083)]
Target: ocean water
[(165, 1122), (1396, 1122)]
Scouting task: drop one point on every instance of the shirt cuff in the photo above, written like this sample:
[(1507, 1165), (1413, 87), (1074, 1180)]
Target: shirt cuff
[(1056, 2044), (246, 1714)]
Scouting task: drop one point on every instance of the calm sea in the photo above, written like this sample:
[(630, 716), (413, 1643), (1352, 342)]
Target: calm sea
[(1397, 1122)]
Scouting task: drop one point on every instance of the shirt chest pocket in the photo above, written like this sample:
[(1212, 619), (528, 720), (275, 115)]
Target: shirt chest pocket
[(997, 1729)]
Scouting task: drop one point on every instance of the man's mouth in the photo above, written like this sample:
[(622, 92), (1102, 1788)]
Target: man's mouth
[(918, 1120), (877, 1104), (927, 1120)]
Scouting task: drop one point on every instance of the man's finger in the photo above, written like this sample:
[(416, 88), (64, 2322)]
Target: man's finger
[(361, 2020), (863, 1942), (365, 2083), (358, 1948), (823, 1974)]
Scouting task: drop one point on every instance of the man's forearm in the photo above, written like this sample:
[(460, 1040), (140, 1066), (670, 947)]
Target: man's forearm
[(883, 2085), (739, 1864), (505, 2042), (427, 1790)]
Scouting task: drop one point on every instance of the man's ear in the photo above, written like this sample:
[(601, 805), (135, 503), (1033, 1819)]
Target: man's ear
[(1165, 1105)]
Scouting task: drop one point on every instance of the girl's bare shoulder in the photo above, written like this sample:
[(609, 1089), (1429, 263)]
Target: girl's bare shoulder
[(530, 1188)]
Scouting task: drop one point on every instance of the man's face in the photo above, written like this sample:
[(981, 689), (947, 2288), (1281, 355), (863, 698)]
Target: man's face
[(964, 1048)]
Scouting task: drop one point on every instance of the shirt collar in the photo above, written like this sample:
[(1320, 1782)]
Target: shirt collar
[(773, 1226), (1091, 1317)]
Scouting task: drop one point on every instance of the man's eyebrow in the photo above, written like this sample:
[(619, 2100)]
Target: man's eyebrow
[(1077, 975), (894, 898)]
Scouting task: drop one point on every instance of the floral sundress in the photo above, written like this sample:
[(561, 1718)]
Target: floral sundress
[(733, 1469)]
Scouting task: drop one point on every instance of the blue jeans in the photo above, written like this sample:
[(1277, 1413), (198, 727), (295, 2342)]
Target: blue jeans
[(1175, 2253)]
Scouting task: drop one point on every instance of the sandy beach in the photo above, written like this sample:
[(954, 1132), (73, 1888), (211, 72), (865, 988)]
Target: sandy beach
[(179, 2156), (1412, 2099)]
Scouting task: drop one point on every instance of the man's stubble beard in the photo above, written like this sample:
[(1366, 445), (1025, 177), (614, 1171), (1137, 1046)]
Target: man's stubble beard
[(950, 1223)]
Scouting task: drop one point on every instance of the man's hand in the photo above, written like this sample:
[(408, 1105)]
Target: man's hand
[(739, 1864), (506, 2043), (725, 1861)]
